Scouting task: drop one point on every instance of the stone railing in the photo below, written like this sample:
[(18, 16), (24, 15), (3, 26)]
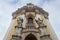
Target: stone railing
[(30, 30), (30, 25)]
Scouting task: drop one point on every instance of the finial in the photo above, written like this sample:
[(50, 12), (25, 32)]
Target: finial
[(29, 4)]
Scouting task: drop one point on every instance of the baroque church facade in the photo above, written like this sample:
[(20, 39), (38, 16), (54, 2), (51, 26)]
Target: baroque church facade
[(30, 23)]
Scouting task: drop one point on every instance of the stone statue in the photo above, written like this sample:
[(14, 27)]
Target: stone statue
[(20, 21), (42, 27), (39, 21)]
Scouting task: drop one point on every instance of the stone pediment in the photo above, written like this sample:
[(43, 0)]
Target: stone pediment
[(29, 8)]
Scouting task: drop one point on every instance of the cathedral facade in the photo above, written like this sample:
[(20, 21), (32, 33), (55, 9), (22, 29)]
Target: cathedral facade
[(30, 23)]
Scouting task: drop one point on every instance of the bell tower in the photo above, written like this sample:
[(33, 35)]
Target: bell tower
[(30, 23)]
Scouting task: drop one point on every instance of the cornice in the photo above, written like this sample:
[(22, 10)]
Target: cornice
[(30, 8)]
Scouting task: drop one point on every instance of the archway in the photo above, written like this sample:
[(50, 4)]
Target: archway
[(30, 37)]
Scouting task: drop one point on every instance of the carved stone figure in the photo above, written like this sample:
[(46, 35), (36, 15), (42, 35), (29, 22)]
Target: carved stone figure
[(39, 22), (20, 21), (42, 27)]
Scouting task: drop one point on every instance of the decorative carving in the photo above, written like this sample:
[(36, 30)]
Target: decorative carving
[(30, 25), (18, 30), (46, 16), (45, 37), (14, 15), (43, 31), (20, 21), (41, 27), (39, 21), (16, 37), (30, 8)]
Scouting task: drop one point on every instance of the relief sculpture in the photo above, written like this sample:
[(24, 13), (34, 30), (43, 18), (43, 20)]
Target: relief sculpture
[(20, 21)]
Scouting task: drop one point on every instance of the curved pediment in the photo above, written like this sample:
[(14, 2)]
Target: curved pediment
[(30, 8)]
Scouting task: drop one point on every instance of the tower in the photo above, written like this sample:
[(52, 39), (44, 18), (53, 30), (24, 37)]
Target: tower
[(30, 23)]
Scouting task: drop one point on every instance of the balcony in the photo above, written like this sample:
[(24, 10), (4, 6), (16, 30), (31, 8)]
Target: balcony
[(30, 25), (30, 30)]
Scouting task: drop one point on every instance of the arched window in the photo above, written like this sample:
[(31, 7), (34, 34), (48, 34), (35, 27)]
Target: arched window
[(30, 37), (30, 20)]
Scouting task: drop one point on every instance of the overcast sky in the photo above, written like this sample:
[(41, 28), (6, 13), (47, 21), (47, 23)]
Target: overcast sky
[(9, 6)]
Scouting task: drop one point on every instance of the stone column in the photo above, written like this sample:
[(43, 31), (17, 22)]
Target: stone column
[(18, 30)]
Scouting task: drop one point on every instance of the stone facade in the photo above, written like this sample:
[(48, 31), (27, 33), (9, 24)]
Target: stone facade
[(29, 28)]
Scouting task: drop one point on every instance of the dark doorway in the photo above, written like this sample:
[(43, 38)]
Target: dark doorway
[(30, 37)]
